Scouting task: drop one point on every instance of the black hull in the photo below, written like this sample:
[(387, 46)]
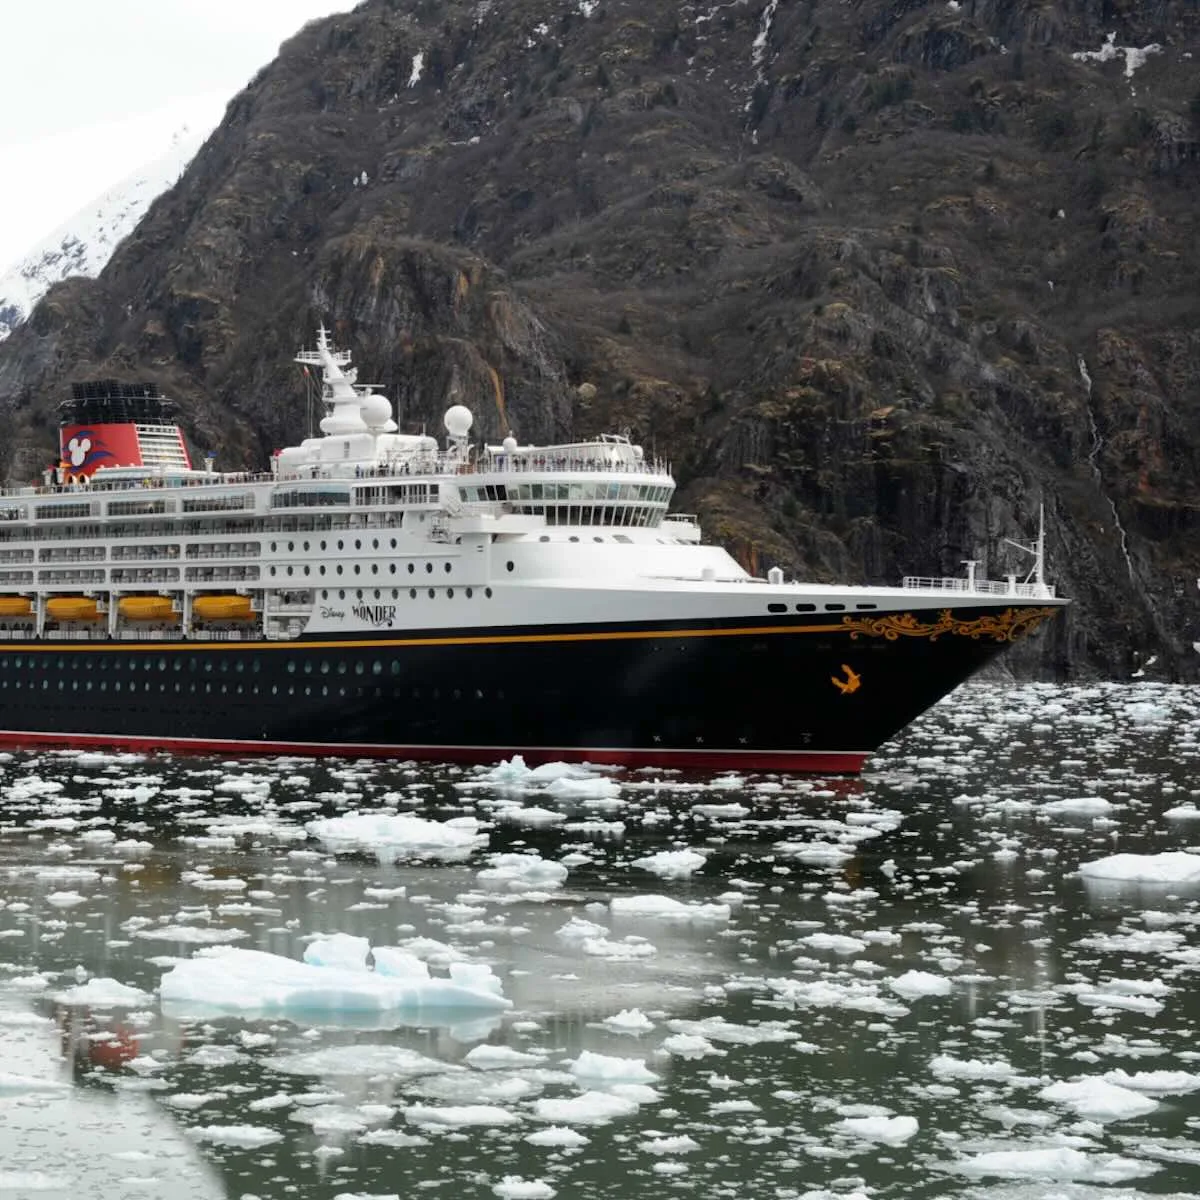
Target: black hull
[(792, 693)]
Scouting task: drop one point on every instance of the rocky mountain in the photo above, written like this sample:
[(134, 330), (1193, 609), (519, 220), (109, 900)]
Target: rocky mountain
[(882, 276), (85, 242)]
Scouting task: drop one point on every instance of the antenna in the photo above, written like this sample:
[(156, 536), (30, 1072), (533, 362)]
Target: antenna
[(1036, 548)]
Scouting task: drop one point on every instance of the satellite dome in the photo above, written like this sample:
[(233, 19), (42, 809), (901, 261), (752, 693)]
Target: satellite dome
[(458, 420), (509, 444), (376, 410)]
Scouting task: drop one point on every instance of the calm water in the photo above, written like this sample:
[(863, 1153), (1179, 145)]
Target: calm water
[(769, 1045)]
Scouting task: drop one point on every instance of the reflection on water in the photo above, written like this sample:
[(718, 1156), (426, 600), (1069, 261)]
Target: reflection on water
[(867, 988)]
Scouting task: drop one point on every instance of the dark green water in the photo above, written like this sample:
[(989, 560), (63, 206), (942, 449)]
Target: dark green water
[(788, 1057)]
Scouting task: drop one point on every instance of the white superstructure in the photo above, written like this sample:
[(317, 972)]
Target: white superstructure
[(365, 528)]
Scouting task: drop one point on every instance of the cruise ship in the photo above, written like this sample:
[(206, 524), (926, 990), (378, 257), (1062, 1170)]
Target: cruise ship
[(381, 593)]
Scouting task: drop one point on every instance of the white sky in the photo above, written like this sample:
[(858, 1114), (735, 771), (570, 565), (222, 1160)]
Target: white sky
[(95, 88)]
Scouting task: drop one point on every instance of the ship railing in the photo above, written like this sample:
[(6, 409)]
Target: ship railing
[(988, 587)]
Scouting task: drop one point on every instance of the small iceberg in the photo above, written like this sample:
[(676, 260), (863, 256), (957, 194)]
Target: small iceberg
[(334, 977)]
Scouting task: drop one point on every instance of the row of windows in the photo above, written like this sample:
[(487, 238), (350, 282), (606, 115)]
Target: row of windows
[(567, 491), (632, 516), (396, 593), (249, 688), (199, 526), (782, 608), (339, 569)]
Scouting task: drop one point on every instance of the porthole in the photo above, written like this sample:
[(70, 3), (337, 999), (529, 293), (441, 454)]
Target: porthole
[(358, 594), (324, 594), (341, 545), (776, 608), (374, 543), (272, 570), (429, 568), (306, 545), (357, 544), (487, 591), (272, 545), (470, 593), (597, 539), (291, 546), (543, 538), (411, 568), (341, 593), (449, 593), (412, 593), (378, 594), (806, 608), (324, 667), (511, 566), (341, 667), (393, 543), (307, 571), (289, 570), (357, 568), (321, 570), (447, 568), (395, 666), (377, 668), (432, 594), (392, 568), (322, 543), (291, 667), (359, 667), (835, 608), (339, 568)]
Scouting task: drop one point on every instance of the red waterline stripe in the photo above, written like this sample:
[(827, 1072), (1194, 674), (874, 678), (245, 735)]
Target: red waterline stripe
[(815, 762)]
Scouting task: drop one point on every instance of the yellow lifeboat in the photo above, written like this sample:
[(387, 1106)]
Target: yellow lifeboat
[(15, 606), (72, 608), (148, 608), (222, 608)]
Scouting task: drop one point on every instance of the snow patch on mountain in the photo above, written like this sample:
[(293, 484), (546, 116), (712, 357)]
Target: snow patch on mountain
[(83, 244)]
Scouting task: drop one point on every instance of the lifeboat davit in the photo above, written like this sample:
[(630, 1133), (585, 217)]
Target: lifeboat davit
[(223, 608), (148, 608), (72, 608), (15, 606)]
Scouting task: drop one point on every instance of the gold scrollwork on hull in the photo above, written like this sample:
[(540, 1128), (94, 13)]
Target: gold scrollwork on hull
[(1011, 625)]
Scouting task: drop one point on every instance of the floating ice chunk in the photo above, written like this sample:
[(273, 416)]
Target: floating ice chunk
[(519, 872), (22, 1084), (249, 1137), (666, 908), (1171, 866), (459, 1115), (590, 1108), (1170, 1083), (607, 1069), (1054, 1162), (671, 864), (579, 930), (516, 1187), (360, 1059), (559, 1136), (589, 788), (1084, 806), (530, 814), (629, 1020), (103, 993), (944, 1066), (394, 838), (690, 1045), (252, 980), (720, 1030), (488, 1057), (65, 899), (338, 950), (839, 943), (192, 935), (892, 1131), (913, 984), (679, 1144), (1183, 812), (1096, 1100)]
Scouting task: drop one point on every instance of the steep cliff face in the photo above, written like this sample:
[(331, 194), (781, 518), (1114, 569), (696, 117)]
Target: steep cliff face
[(880, 276)]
